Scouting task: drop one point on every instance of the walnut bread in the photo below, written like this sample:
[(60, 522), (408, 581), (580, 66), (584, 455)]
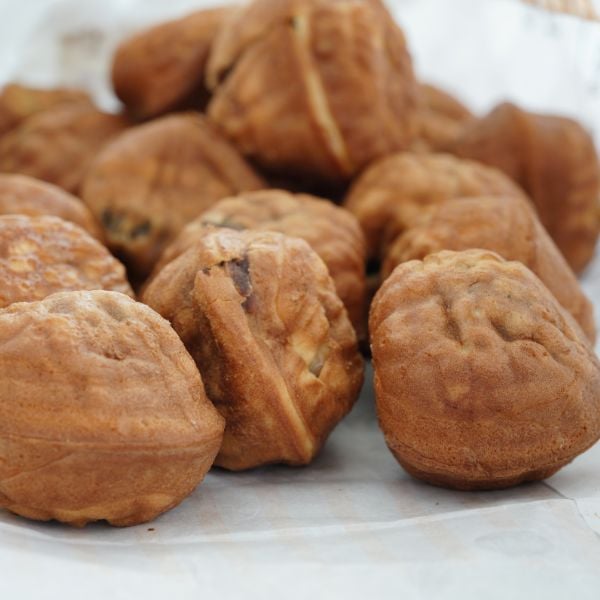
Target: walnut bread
[(40, 256), (259, 313), (103, 415), (554, 160), (505, 225), (332, 232), (313, 87), (155, 178), (22, 195), (482, 379)]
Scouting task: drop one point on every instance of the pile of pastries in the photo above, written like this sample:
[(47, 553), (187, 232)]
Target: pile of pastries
[(196, 280)]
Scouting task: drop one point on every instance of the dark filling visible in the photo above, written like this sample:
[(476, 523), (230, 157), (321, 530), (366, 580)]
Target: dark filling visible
[(239, 271), (111, 221), (116, 225), (140, 230)]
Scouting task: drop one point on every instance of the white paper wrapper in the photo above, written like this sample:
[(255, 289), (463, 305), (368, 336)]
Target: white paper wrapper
[(352, 525)]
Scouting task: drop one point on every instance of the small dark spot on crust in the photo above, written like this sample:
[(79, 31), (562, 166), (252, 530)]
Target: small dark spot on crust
[(452, 326), (110, 220)]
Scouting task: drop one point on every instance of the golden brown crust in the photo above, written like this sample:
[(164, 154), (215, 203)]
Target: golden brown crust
[(399, 190), (482, 379), (555, 162), (436, 133), (150, 182), (313, 87), (24, 195), (333, 233), (162, 68), (443, 103), (259, 314), (507, 226), (103, 414), (40, 256), (17, 102), (440, 117), (57, 145)]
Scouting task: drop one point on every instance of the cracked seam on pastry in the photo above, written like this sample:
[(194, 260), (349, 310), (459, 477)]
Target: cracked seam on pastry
[(295, 414), (317, 97), (289, 409)]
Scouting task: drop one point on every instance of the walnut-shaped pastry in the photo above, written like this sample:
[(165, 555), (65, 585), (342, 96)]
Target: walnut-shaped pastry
[(554, 160), (17, 102), (151, 181), (103, 415), (441, 102), (57, 145), (313, 87), (22, 195), (259, 313), (332, 232), (506, 225), (43, 255), (162, 68), (440, 117), (397, 191), (482, 379)]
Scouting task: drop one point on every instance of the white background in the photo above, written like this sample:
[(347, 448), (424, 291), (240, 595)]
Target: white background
[(353, 524)]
